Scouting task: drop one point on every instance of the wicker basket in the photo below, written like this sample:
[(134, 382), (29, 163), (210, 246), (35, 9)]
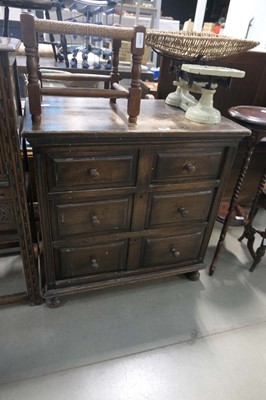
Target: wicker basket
[(194, 46)]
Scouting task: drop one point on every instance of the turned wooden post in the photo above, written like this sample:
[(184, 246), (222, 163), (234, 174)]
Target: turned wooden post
[(115, 76), (31, 51), (137, 50)]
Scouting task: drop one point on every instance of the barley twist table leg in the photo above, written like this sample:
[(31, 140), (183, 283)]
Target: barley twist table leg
[(250, 231), (246, 161)]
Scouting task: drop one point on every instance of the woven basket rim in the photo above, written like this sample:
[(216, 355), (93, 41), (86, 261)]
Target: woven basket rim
[(190, 45), (198, 35)]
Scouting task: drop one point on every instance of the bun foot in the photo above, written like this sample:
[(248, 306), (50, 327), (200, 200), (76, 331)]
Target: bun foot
[(54, 302), (193, 276)]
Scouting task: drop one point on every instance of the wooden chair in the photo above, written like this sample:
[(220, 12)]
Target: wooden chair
[(38, 5), (30, 26)]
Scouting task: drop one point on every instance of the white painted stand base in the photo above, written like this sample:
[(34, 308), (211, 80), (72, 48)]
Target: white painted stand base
[(201, 111), (180, 98), (204, 112)]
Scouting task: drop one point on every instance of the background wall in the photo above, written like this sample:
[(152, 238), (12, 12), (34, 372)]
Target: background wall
[(181, 10), (240, 14)]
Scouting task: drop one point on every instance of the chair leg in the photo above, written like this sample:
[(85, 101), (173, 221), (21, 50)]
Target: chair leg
[(62, 37), (6, 22), (64, 48), (51, 37)]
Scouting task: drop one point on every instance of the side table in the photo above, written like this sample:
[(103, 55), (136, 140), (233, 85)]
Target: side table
[(253, 118)]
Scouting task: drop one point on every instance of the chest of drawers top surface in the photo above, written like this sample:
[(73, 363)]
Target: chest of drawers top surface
[(81, 119)]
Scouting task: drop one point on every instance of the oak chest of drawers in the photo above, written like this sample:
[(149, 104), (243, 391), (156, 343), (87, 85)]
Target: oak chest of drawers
[(122, 203)]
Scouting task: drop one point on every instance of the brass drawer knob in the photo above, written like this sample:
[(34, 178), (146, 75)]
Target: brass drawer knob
[(93, 172), (95, 221), (183, 211), (189, 167), (94, 263), (175, 252)]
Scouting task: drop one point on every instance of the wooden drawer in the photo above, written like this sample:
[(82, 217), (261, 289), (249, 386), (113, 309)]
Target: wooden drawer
[(3, 178), (171, 208), (186, 165), (99, 170), (163, 251), (5, 191), (90, 260), (91, 216), (7, 218)]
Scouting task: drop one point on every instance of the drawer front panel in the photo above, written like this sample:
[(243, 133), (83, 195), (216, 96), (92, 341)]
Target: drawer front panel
[(5, 191), (171, 250), (182, 207), (91, 217), (91, 260), (7, 218), (99, 171), (172, 166)]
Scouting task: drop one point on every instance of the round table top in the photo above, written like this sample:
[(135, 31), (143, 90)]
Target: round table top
[(255, 115)]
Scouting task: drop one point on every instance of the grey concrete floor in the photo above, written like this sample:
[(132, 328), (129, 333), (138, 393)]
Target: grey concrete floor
[(166, 339)]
